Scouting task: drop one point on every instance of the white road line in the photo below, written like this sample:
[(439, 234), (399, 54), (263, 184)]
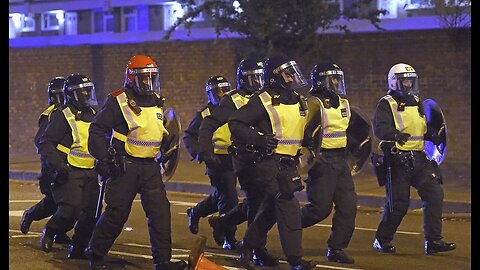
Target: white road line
[(366, 229), (180, 203)]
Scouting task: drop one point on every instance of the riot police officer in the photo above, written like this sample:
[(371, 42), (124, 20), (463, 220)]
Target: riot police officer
[(46, 206), (329, 179), (64, 146), (249, 83), (272, 125), (131, 125), (219, 166), (399, 122)]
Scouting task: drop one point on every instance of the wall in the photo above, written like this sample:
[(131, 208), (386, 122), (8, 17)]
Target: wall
[(442, 60)]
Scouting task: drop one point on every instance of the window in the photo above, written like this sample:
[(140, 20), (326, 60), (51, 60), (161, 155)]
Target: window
[(52, 20), (23, 22), (417, 4), (129, 19), (102, 21)]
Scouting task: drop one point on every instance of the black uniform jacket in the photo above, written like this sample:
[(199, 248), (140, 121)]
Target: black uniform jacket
[(191, 134), (383, 122), (254, 114), (110, 117), (58, 131)]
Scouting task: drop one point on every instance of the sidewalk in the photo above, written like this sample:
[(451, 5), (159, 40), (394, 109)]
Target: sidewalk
[(190, 177)]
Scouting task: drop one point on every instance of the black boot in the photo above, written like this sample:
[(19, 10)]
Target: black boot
[(46, 240), (246, 256), (95, 261), (25, 222), (302, 265), (193, 220), (77, 252), (218, 227), (339, 256), (230, 243), (432, 247), (262, 258), (62, 238), (385, 247), (168, 265)]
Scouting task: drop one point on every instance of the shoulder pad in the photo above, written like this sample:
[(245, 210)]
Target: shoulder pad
[(116, 93)]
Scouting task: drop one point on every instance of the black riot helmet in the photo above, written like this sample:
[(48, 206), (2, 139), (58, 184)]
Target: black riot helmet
[(80, 91), (55, 91), (327, 79), (216, 87), (249, 75), (284, 73)]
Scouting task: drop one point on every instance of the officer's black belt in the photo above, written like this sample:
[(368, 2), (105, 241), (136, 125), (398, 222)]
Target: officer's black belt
[(333, 150), (286, 159), (140, 160)]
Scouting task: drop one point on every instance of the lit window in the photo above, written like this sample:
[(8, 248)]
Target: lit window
[(417, 4), (52, 20)]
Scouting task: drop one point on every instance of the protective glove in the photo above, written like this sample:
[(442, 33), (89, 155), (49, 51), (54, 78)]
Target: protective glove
[(103, 169), (61, 174), (401, 138), (267, 141), (210, 159)]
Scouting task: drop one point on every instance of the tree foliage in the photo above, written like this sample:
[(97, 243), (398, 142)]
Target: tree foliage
[(270, 27)]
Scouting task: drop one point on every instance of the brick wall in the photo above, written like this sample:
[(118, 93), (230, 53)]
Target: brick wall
[(443, 62)]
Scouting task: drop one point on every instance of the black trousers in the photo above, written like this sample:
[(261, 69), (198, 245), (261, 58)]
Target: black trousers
[(224, 195), (283, 209), (330, 183), (422, 177), (244, 168), (46, 206), (76, 203), (143, 177)]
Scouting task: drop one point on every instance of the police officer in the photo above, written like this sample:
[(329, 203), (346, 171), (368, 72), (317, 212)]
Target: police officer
[(131, 121), (272, 123), (46, 206), (249, 83), (219, 166), (64, 146), (400, 123), (329, 180)]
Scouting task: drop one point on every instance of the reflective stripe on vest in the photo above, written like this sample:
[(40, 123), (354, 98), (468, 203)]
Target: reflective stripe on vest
[(240, 100), (145, 131), (78, 154), (335, 124), (48, 111), (409, 121), (287, 125)]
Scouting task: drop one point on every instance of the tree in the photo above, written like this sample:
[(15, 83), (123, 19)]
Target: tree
[(271, 27)]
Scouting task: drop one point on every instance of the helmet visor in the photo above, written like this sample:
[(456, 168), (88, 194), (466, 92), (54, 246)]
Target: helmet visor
[(333, 81), (407, 83), (57, 99), (291, 75), (254, 80), (84, 94), (147, 81), (215, 92)]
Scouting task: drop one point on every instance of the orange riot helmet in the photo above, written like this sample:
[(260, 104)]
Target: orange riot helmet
[(142, 75)]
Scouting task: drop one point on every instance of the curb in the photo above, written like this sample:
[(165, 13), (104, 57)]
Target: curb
[(368, 200)]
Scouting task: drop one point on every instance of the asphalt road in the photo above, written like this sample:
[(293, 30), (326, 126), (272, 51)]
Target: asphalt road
[(132, 250)]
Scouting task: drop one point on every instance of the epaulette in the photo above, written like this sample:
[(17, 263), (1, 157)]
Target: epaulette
[(116, 93)]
